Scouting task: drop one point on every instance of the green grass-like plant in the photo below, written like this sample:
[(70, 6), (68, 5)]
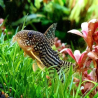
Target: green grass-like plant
[(16, 73)]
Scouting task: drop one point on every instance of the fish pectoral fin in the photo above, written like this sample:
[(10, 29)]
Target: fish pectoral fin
[(25, 54), (40, 65), (34, 66), (36, 57), (37, 65), (39, 62)]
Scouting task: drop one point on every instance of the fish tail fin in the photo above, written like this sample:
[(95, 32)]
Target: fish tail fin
[(65, 69)]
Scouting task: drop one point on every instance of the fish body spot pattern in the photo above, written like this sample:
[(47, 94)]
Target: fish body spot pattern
[(38, 47)]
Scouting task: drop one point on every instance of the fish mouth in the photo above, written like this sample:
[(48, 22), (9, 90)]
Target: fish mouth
[(20, 43)]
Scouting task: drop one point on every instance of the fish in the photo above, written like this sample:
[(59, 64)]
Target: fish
[(39, 47)]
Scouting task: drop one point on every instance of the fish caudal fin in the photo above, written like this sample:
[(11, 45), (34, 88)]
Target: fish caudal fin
[(65, 68)]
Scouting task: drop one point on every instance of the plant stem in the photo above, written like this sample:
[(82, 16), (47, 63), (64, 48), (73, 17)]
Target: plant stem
[(97, 69)]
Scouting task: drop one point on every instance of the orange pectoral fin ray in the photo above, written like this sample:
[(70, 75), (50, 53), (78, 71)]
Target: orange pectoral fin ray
[(25, 54), (39, 63), (35, 67), (35, 57)]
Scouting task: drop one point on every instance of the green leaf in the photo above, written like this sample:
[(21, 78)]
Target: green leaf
[(17, 66), (27, 19), (37, 3), (2, 3), (78, 89), (96, 95), (61, 8)]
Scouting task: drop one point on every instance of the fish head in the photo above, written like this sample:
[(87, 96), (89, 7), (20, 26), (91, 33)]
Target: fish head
[(29, 39)]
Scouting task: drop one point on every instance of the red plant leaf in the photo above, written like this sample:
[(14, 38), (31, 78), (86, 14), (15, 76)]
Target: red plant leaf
[(1, 20), (88, 62), (69, 51), (57, 43), (95, 37), (84, 27), (93, 75), (95, 24), (89, 39), (82, 59), (92, 55), (76, 32), (92, 26), (77, 55)]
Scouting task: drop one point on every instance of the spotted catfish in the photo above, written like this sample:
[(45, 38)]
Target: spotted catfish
[(38, 47)]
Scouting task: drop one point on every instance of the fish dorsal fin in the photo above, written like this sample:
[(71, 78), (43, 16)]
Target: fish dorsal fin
[(50, 33)]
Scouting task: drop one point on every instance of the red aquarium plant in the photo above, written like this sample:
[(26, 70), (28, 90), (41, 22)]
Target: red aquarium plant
[(60, 46), (77, 56), (89, 32), (2, 27)]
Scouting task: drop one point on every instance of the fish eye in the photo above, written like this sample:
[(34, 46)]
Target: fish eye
[(30, 34)]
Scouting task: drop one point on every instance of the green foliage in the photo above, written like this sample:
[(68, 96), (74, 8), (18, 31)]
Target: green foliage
[(41, 13), (83, 10), (77, 10), (2, 3), (16, 72), (28, 19)]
